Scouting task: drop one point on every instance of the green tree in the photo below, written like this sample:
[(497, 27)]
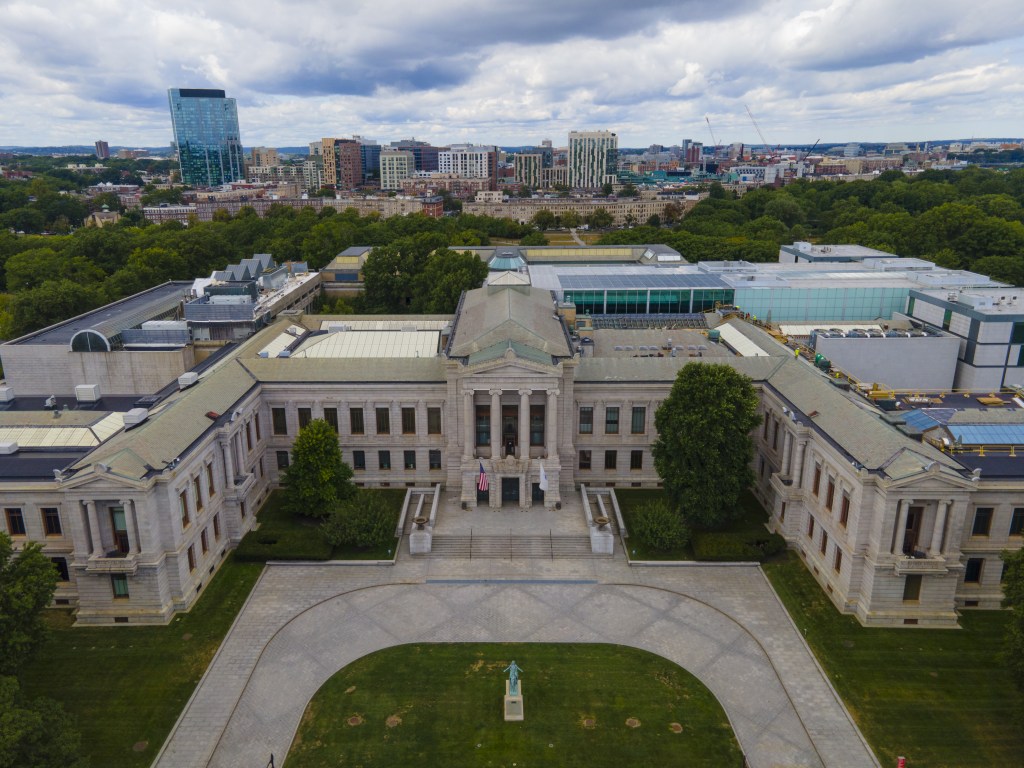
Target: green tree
[(365, 520), (317, 479), (703, 449), (1013, 598), (27, 582), (534, 238), (543, 219), (607, 189), (600, 219), (446, 274), (36, 733), (571, 219)]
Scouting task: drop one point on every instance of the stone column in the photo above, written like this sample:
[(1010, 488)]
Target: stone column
[(900, 531), (229, 463), (469, 435), (524, 423), (495, 423), (129, 524), (941, 513), (798, 463), (551, 425), (94, 528), (787, 451)]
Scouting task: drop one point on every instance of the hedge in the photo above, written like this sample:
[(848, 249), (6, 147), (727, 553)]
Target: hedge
[(736, 547)]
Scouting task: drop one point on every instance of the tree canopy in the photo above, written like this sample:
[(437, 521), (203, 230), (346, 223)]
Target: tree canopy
[(27, 582), (317, 479), (703, 449), (1013, 598)]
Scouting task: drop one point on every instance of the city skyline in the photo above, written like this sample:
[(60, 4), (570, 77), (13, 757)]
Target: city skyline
[(835, 71)]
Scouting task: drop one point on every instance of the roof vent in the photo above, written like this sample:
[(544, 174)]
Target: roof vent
[(8, 447), (6, 394), (87, 393), (187, 379), (134, 417)]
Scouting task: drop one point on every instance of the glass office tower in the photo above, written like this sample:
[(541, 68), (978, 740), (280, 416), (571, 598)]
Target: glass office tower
[(207, 137)]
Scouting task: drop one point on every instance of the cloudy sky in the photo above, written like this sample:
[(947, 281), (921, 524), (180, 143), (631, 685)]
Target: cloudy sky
[(516, 72)]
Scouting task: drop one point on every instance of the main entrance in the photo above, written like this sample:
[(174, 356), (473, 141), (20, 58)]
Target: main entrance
[(509, 489)]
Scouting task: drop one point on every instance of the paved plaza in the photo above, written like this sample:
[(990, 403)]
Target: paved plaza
[(724, 624)]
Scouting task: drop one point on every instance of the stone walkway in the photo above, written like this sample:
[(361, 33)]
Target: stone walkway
[(723, 624)]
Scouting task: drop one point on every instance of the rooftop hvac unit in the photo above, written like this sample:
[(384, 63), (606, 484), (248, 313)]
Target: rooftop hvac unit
[(6, 394), (134, 417), (187, 379), (8, 447), (87, 393)]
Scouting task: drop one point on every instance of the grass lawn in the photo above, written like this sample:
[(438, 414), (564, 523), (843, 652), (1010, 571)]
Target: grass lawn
[(442, 705), (938, 697), (127, 685)]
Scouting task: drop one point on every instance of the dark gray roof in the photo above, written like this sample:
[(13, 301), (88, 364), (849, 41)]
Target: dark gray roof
[(499, 314)]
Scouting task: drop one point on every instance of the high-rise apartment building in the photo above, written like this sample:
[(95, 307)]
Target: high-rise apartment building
[(395, 165), (528, 168), (471, 161), (425, 155), (369, 153), (207, 136), (102, 150), (343, 163), (265, 156), (593, 158)]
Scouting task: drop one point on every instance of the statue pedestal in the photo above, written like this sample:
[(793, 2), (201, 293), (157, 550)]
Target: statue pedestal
[(513, 704)]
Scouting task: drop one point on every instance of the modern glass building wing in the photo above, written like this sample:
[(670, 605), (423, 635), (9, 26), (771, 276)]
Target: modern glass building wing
[(207, 136)]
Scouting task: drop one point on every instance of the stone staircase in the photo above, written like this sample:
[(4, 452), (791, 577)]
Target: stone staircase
[(508, 547)]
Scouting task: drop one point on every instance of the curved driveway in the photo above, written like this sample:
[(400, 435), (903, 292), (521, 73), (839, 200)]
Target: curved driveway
[(724, 625)]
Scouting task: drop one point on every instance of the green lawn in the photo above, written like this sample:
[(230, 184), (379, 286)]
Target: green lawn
[(938, 697), (127, 685), (445, 708)]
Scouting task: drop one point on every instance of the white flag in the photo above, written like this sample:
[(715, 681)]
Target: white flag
[(543, 484)]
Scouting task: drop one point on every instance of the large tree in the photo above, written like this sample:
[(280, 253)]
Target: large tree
[(317, 479), (1013, 598), (27, 582), (37, 733), (703, 449), (445, 275)]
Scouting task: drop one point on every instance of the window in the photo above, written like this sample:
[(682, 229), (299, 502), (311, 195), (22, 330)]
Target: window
[(15, 521), (248, 436), (830, 494), (844, 510), (817, 479), (837, 561), (1017, 522), (764, 428), (61, 564), (947, 318), (823, 547), (409, 459), (611, 420), (536, 425), (584, 459), (782, 513), (183, 508), (912, 588), (280, 419), (610, 458), (197, 488), (119, 583), (216, 527), (982, 521), (256, 423), (51, 522), (384, 459), (435, 459), (639, 422), (331, 417), (636, 459), (408, 421), (204, 540), (1017, 334), (586, 420), (241, 509), (211, 487), (433, 421), (305, 416), (775, 437), (483, 425), (810, 527), (260, 465), (358, 459), (282, 460), (972, 573), (191, 557), (383, 420), (119, 528), (355, 421)]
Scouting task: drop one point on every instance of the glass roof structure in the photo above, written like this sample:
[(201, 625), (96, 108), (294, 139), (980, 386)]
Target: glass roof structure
[(988, 434), (648, 280)]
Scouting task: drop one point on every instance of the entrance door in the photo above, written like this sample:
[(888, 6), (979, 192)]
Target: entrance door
[(509, 489), (914, 515), (538, 494)]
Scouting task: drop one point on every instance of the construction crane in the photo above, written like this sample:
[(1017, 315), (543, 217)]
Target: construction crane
[(704, 162), (757, 128)]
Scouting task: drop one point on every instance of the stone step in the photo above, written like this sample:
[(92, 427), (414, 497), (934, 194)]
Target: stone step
[(511, 547)]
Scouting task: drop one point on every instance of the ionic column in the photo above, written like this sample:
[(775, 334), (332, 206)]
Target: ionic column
[(787, 451), (551, 424), (469, 436), (94, 528), (130, 527), (229, 463), (941, 513), (524, 423), (798, 463), (899, 532), (495, 423)]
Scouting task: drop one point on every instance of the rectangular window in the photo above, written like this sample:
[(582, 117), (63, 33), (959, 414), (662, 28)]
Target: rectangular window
[(260, 465), (280, 419), (636, 459), (409, 459), (775, 437), (810, 527), (611, 420), (639, 421), (817, 479), (282, 459), (947, 318), (355, 421), (119, 528), (435, 459), (912, 588), (830, 494), (823, 547), (15, 521), (256, 423), (610, 458), (1017, 522), (197, 489), (844, 510), (216, 527), (584, 459), (211, 486), (433, 421), (1017, 334), (305, 416), (331, 417), (982, 521), (837, 561), (61, 564), (241, 509), (586, 420), (51, 521), (119, 583), (972, 573), (204, 540), (358, 459), (183, 508), (764, 428), (782, 513), (248, 436), (191, 557), (537, 424), (483, 425), (383, 421), (408, 421), (384, 459)]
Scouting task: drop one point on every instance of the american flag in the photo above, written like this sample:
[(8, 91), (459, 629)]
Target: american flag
[(481, 483)]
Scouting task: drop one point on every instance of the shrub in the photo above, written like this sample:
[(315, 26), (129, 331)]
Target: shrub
[(367, 520), (658, 527), (736, 547)]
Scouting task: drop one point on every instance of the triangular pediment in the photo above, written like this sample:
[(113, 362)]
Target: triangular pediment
[(910, 468)]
